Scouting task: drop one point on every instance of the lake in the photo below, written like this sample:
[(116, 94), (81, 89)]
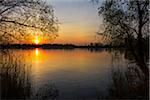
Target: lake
[(69, 74)]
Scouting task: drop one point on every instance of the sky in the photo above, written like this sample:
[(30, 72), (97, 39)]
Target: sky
[(79, 21)]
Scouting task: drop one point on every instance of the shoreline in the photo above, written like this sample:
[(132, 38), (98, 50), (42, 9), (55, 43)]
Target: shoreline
[(55, 46)]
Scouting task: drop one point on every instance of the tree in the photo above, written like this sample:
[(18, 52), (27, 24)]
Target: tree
[(21, 19), (125, 19)]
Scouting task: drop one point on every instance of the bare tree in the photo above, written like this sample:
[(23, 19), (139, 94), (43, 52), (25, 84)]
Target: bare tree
[(125, 19), (20, 19)]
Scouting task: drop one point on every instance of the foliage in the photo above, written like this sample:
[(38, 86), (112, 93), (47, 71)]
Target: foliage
[(19, 19), (125, 19)]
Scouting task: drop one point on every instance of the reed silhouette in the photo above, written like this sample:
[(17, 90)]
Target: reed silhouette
[(16, 82)]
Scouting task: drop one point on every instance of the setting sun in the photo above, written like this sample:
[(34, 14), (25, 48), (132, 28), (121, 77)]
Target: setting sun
[(36, 40)]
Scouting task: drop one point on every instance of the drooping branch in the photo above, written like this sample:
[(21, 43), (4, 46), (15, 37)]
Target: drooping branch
[(15, 22), (18, 16)]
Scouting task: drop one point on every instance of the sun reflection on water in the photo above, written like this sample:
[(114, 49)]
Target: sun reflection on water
[(36, 51), (37, 54)]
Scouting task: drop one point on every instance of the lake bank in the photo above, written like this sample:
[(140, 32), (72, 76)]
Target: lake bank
[(55, 46)]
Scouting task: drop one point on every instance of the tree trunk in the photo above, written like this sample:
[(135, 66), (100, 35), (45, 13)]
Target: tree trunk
[(140, 43)]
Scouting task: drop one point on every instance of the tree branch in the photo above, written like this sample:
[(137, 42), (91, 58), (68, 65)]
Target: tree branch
[(15, 22)]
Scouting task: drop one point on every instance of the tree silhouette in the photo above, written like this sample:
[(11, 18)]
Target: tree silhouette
[(125, 19), (20, 18)]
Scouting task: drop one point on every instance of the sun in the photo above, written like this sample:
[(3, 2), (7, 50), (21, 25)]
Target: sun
[(36, 40)]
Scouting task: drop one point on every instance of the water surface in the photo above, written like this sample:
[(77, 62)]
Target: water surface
[(69, 73)]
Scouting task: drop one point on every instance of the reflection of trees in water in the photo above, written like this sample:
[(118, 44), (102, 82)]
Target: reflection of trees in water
[(96, 49), (128, 79), (16, 81)]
